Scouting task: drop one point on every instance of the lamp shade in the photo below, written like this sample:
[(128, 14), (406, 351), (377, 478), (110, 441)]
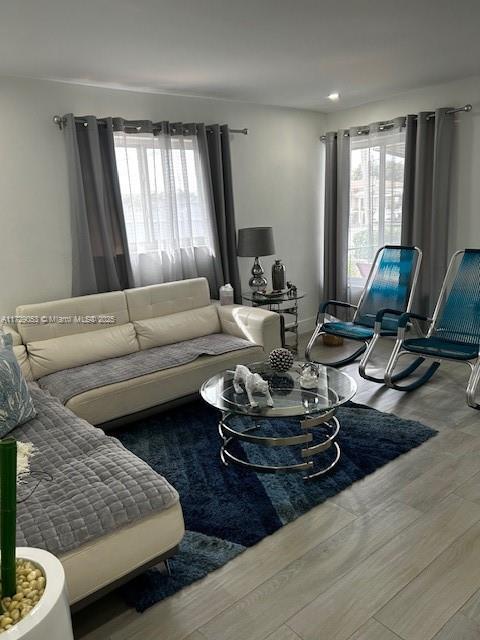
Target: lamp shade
[(255, 241)]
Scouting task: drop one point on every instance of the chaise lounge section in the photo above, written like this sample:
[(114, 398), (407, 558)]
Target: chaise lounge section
[(89, 501)]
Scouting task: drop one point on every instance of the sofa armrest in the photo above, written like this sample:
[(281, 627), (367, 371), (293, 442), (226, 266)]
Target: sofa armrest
[(252, 323)]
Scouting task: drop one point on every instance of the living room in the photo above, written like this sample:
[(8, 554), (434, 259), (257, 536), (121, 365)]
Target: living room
[(240, 320)]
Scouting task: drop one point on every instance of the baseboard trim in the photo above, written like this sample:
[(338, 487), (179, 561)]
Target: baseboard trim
[(307, 325)]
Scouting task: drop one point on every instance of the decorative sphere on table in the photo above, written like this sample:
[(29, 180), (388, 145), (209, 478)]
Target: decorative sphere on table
[(280, 360)]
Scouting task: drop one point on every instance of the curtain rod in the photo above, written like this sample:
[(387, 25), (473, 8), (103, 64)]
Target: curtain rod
[(390, 123), (61, 121)]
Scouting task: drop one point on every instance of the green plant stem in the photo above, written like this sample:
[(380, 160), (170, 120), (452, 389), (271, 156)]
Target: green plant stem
[(8, 515)]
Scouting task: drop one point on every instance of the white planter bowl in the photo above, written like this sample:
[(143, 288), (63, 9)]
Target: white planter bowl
[(50, 618)]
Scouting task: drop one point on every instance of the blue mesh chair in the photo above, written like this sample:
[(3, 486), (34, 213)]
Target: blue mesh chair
[(454, 331), (390, 286)]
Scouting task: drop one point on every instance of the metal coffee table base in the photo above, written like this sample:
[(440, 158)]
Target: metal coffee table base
[(326, 420)]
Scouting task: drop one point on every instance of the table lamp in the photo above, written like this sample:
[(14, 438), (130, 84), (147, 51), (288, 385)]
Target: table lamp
[(252, 243)]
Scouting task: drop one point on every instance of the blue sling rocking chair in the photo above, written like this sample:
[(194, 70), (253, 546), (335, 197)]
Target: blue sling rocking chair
[(454, 331), (390, 287)]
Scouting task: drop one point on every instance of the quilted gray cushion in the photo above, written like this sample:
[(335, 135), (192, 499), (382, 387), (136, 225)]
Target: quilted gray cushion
[(72, 382), (83, 484)]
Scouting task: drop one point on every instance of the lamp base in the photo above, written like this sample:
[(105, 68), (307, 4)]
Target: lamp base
[(258, 280)]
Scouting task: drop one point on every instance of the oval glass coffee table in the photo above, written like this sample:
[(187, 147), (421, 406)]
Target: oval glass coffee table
[(312, 411)]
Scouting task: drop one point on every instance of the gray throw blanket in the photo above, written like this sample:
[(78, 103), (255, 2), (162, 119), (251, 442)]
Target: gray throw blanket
[(71, 382), (82, 483)]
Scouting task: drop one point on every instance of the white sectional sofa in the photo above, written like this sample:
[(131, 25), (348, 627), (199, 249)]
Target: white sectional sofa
[(60, 339), (146, 317)]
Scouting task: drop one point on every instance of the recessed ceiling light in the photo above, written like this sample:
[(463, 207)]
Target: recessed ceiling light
[(334, 96)]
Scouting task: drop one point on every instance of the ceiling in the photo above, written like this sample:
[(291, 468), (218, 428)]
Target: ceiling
[(275, 52)]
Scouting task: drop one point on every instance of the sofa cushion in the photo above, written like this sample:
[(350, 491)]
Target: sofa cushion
[(130, 396), (165, 299), (156, 332), (16, 406), (83, 314), (21, 355), (91, 484), (56, 354), (64, 385)]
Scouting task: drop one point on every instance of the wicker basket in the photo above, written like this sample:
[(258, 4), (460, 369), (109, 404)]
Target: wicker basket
[(332, 341)]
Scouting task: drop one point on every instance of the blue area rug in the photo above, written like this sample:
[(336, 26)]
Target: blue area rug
[(228, 509)]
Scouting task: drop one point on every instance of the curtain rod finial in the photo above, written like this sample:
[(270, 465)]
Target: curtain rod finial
[(59, 121), (468, 107)]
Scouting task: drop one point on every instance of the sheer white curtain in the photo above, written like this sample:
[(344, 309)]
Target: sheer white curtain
[(377, 162), (168, 216)]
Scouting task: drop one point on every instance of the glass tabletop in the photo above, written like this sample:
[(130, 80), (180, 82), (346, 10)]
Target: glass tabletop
[(333, 388), (281, 296)]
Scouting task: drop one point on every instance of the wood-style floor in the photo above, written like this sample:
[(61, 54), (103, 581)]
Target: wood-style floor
[(395, 556)]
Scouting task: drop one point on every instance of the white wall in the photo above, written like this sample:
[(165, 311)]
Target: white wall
[(276, 171), (277, 174), (464, 228)]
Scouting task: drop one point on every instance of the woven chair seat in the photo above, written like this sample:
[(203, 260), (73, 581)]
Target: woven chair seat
[(442, 348), (352, 330)]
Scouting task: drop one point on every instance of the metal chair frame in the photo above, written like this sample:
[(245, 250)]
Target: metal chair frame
[(397, 352), (368, 345)]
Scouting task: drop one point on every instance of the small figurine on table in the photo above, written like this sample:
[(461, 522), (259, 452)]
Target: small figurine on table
[(292, 290), (309, 376), (253, 383)]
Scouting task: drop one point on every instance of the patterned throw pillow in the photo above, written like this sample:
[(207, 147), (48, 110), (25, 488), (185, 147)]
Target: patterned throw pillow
[(16, 405)]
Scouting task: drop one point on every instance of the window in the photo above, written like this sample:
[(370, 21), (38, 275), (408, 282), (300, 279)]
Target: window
[(167, 214), (376, 189)]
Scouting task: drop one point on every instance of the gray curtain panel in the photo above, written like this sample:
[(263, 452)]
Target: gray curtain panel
[(425, 215), (214, 147), (337, 196), (99, 243)]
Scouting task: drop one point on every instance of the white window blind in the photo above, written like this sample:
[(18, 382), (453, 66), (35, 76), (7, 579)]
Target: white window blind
[(167, 213), (376, 189)]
